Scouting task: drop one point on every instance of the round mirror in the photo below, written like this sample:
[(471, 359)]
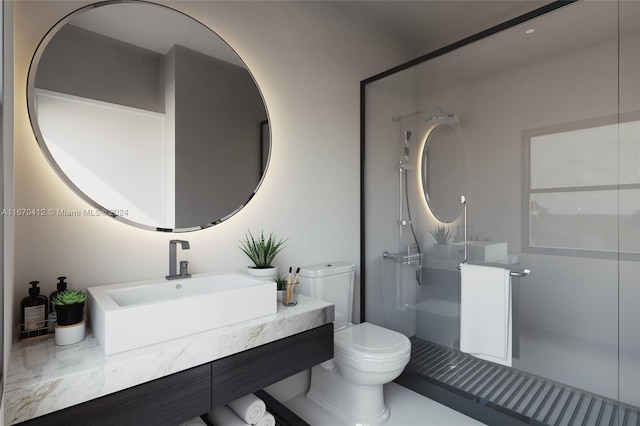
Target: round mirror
[(148, 115), (444, 169)]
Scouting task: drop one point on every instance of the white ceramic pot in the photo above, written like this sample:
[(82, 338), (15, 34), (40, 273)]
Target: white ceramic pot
[(442, 251), (70, 334), (266, 273)]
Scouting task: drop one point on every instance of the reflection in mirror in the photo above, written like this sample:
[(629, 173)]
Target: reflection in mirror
[(147, 114), (444, 168)]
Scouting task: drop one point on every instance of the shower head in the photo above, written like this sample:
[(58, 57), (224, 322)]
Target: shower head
[(407, 135), (450, 119)]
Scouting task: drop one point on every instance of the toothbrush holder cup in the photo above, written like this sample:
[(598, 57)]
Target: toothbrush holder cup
[(290, 297)]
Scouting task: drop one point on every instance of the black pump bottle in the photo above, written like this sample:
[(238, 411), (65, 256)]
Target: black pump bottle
[(62, 286), (34, 311)]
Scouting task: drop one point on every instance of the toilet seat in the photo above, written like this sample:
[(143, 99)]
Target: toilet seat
[(368, 346)]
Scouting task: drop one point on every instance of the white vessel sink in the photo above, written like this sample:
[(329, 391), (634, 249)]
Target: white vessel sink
[(484, 251), (131, 315)]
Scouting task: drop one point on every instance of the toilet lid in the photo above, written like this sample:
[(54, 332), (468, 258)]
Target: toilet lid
[(369, 342)]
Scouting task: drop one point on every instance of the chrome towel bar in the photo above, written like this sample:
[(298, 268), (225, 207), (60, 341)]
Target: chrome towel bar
[(523, 273)]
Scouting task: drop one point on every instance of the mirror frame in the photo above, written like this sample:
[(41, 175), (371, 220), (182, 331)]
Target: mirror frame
[(265, 152), (422, 166)]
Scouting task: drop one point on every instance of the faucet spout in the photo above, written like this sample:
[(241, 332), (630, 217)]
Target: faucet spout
[(173, 260)]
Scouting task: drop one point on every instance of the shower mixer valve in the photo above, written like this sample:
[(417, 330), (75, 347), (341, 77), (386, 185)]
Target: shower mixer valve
[(406, 259)]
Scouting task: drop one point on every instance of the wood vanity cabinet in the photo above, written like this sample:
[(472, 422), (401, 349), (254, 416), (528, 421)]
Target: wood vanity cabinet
[(182, 396)]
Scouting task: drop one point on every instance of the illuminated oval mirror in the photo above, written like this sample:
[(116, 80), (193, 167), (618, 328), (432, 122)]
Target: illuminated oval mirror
[(148, 115), (444, 169)]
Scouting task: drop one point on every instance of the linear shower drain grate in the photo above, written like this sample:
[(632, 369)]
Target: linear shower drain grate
[(532, 396)]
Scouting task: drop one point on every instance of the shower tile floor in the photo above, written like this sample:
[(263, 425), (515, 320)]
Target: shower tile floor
[(525, 394)]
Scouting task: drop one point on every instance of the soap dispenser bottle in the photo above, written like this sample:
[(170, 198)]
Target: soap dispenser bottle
[(34, 312), (53, 316)]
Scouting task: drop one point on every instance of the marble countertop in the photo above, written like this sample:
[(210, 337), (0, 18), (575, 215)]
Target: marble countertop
[(43, 377)]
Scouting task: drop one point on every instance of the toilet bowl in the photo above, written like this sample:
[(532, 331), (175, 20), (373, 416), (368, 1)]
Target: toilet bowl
[(366, 356)]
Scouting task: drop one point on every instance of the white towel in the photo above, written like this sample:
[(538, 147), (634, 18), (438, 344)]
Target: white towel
[(485, 313), (250, 408), (224, 416), (267, 420)]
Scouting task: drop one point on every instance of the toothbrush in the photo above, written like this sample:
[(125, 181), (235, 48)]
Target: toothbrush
[(291, 287), (287, 295)]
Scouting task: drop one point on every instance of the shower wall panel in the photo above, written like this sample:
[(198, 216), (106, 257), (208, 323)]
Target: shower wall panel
[(388, 99)]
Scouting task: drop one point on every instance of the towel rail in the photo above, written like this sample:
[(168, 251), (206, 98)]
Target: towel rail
[(463, 201), (523, 273)]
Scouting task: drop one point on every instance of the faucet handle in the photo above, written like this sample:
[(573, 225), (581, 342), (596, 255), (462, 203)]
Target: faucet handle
[(184, 266)]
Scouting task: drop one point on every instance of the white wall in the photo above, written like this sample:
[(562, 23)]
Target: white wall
[(308, 61)]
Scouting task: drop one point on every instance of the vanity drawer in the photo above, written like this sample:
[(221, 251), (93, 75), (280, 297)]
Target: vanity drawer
[(246, 372)]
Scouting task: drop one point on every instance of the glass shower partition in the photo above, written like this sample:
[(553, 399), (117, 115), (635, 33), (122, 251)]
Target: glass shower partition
[(547, 110)]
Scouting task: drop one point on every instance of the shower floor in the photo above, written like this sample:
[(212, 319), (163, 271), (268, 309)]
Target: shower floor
[(525, 394)]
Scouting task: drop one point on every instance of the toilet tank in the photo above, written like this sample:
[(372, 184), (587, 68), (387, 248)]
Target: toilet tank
[(332, 282)]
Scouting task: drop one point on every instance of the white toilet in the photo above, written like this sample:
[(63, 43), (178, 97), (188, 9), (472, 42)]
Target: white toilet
[(366, 356)]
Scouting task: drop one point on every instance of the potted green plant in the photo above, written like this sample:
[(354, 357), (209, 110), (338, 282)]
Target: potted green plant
[(69, 306), (262, 251), (281, 283), (442, 248), (70, 326)]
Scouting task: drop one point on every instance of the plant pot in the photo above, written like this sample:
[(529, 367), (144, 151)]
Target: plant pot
[(281, 295), (442, 251), (267, 273), (70, 334), (69, 314)]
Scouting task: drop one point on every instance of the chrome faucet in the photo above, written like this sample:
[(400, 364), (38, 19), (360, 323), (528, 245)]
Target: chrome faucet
[(173, 260)]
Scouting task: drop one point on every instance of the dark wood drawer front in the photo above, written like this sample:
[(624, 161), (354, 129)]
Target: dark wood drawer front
[(246, 372), (167, 401)]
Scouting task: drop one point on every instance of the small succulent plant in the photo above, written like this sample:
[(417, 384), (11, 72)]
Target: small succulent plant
[(281, 282), (442, 234), (261, 251), (69, 297)]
